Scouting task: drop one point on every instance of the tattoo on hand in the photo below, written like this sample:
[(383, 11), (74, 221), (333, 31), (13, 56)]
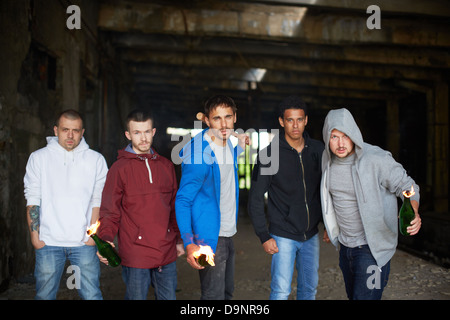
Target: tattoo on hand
[(34, 216)]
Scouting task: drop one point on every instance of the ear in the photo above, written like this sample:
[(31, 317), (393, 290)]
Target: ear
[(306, 120), (153, 132), (55, 130), (281, 121), (207, 121), (127, 134)]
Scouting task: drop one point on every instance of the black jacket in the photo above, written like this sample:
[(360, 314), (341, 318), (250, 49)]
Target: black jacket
[(293, 207)]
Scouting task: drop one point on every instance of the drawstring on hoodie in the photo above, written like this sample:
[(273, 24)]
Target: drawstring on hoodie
[(66, 153), (146, 163), (149, 171)]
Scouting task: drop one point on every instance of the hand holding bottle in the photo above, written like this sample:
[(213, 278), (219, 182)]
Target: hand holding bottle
[(102, 258), (416, 223), (191, 248), (409, 219), (105, 249)]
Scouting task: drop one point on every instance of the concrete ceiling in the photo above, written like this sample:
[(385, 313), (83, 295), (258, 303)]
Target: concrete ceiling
[(258, 52)]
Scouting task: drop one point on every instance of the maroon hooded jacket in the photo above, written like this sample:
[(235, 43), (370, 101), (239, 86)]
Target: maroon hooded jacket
[(138, 204)]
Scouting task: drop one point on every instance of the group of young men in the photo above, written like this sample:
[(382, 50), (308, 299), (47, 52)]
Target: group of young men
[(350, 185)]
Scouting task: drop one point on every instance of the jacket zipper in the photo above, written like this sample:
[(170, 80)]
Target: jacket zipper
[(360, 185), (304, 188)]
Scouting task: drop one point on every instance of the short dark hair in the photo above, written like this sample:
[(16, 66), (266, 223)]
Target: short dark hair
[(69, 114), (292, 102), (219, 101), (139, 115)]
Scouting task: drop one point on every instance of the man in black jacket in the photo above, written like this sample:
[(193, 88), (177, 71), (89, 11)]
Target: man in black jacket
[(293, 207)]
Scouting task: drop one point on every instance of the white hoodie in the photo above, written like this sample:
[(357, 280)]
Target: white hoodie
[(66, 185)]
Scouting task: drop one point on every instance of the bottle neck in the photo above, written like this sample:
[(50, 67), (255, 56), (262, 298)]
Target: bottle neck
[(407, 203), (97, 240)]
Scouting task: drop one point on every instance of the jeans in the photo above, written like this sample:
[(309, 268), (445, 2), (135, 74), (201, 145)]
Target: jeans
[(217, 283), (162, 279), (305, 256), (50, 262), (363, 279)]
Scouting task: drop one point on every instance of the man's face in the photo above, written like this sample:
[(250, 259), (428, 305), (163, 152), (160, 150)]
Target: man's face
[(221, 120), (294, 122), (69, 132), (141, 135), (340, 144)]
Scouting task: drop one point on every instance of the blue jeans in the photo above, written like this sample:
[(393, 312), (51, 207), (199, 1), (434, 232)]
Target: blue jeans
[(363, 279), (85, 271), (305, 256), (162, 279)]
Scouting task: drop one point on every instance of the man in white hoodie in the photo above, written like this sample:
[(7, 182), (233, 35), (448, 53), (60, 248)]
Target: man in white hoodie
[(63, 187)]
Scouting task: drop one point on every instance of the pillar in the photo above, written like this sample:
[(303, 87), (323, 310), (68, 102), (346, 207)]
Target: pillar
[(441, 146), (392, 128)]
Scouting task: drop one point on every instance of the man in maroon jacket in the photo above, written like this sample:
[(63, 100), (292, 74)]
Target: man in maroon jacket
[(138, 205)]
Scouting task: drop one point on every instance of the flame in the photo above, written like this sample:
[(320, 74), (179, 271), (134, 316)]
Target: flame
[(409, 193), (207, 251), (93, 228)]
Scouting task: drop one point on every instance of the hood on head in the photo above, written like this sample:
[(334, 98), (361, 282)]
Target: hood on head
[(342, 120)]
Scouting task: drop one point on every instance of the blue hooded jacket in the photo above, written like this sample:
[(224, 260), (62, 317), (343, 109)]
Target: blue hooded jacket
[(197, 203)]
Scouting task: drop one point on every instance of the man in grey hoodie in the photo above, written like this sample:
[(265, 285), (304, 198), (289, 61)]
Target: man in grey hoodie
[(359, 189)]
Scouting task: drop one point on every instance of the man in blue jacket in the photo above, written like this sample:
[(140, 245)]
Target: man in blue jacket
[(207, 200)]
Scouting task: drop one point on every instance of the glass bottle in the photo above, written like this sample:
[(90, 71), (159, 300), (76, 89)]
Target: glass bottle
[(107, 251), (406, 215), (201, 260)]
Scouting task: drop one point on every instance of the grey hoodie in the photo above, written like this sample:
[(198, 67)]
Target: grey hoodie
[(378, 180)]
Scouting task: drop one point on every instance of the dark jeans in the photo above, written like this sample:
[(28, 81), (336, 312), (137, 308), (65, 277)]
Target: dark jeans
[(363, 279), (217, 283)]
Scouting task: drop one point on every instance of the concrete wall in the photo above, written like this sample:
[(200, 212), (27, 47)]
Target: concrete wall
[(44, 69)]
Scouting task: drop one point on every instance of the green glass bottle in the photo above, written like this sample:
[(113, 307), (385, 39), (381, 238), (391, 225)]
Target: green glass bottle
[(201, 260), (107, 251), (406, 215)]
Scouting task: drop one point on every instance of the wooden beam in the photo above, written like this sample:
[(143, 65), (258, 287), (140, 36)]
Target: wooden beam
[(425, 58), (404, 63), (435, 8), (271, 23), (241, 77)]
